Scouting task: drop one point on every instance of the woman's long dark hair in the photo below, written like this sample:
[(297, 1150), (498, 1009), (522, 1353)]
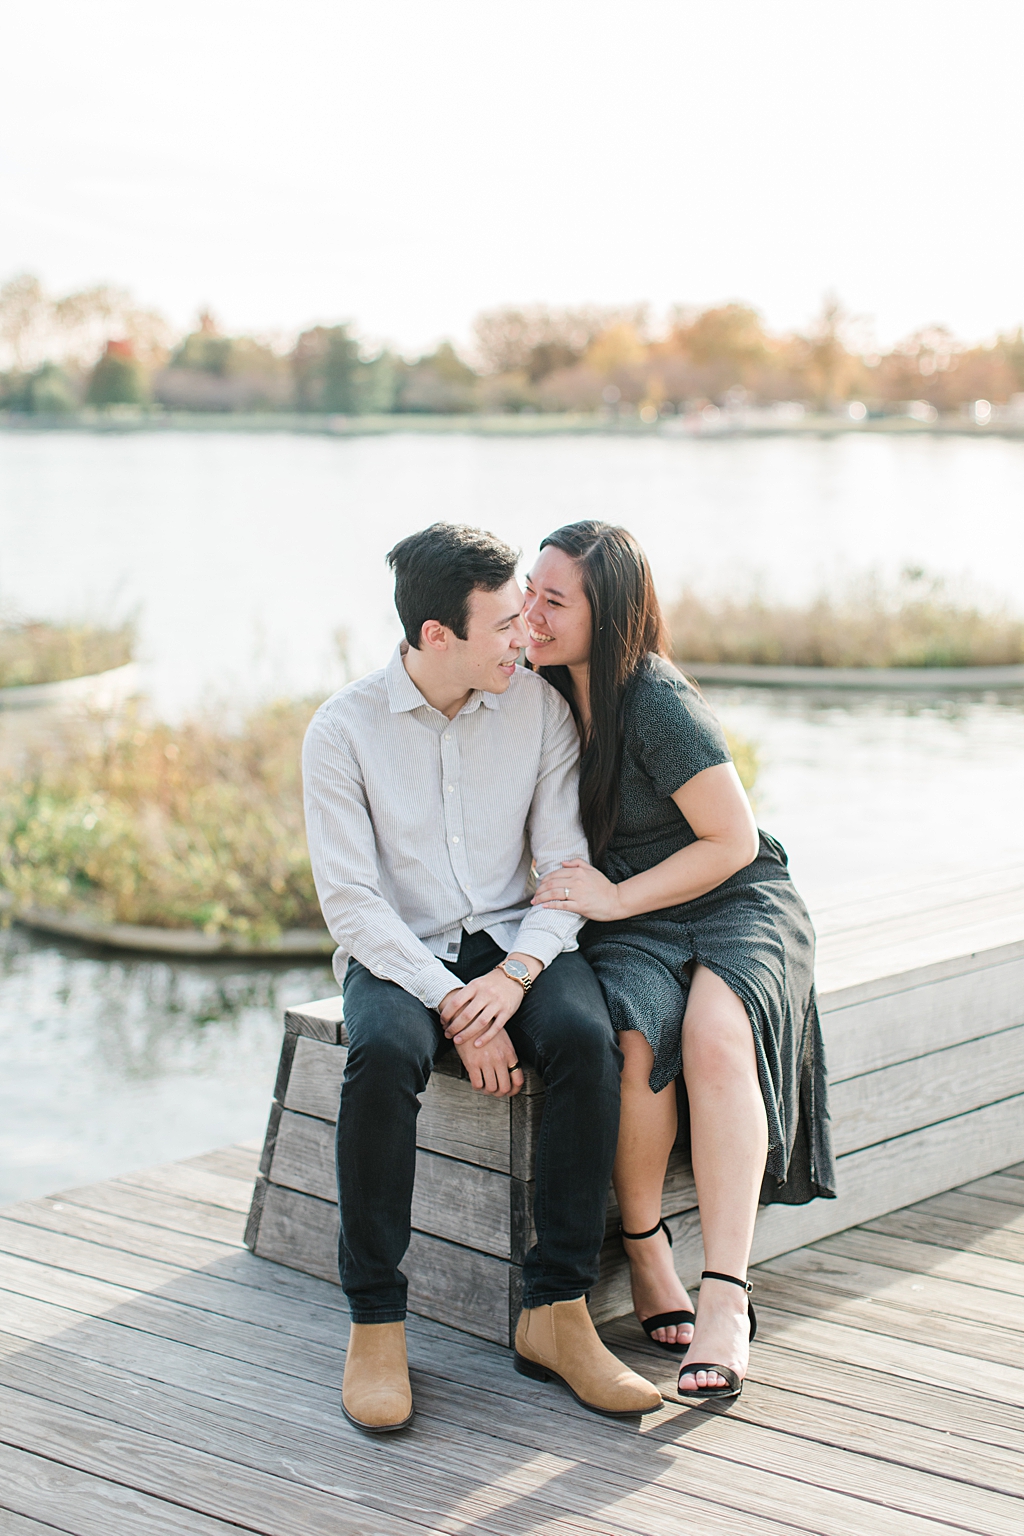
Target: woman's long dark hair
[(626, 626)]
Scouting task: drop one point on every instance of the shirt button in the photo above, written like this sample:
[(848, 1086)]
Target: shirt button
[(451, 789), (454, 839), (447, 735)]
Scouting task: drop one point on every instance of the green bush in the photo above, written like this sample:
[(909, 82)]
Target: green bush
[(194, 826)]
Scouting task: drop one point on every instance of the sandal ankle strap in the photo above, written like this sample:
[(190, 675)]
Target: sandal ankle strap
[(635, 1237), (713, 1274)]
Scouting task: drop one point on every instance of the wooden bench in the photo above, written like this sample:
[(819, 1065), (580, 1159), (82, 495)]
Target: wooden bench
[(922, 997)]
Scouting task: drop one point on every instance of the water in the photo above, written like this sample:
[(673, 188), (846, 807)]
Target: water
[(112, 1064), (244, 555)]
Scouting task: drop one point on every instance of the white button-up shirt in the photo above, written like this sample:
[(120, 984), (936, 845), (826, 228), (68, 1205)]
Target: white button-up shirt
[(420, 826)]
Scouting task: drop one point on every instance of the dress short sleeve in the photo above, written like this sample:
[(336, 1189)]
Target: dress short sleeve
[(672, 731)]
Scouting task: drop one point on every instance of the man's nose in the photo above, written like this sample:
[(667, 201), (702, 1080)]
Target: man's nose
[(520, 635)]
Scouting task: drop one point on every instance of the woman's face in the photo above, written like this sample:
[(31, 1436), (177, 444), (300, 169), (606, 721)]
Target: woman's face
[(556, 611)]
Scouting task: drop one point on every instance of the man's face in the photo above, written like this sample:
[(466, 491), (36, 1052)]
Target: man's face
[(495, 634)]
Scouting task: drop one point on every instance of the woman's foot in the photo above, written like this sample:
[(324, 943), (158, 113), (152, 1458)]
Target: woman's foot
[(656, 1286), (722, 1334)]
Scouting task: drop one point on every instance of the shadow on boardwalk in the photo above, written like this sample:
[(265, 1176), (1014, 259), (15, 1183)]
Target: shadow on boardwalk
[(157, 1378)]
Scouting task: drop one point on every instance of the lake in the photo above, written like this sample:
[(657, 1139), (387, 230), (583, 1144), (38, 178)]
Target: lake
[(244, 556)]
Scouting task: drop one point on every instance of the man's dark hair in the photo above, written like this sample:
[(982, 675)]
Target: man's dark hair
[(437, 569)]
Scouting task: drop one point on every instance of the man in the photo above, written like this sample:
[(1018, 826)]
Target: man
[(432, 787)]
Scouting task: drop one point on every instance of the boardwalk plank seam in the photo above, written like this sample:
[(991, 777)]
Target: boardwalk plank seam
[(207, 1351)]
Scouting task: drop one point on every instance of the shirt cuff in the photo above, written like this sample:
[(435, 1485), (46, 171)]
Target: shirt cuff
[(541, 943), (434, 984)]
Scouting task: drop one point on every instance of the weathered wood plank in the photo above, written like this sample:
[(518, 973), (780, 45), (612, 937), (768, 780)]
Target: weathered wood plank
[(977, 1211), (957, 1235), (903, 932), (299, 1230), (147, 1407), (237, 1162), (454, 1120), (197, 1185), (882, 1031), (879, 1106), (19, 1525), (919, 1292), (67, 1499), (809, 1407), (212, 1486), (305, 1316), (917, 1258), (467, 1204), (970, 1341), (175, 1212), (799, 1327), (432, 1464), (454, 1284), (886, 1177), (705, 1476), (1007, 1191), (319, 1020)]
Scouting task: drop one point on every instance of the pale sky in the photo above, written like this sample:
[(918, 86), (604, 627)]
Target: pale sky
[(406, 163)]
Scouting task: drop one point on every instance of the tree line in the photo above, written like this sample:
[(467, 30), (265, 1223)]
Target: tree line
[(98, 348)]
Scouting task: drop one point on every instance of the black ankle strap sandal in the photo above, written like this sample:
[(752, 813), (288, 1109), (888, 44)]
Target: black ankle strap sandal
[(661, 1319), (691, 1367)]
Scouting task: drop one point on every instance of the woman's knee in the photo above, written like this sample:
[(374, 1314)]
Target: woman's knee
[(717, 1033)]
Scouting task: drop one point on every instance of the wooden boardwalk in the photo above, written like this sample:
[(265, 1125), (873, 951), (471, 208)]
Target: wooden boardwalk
[(156, 1379)]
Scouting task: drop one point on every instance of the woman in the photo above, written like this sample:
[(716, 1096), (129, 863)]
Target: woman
[(701, 943)]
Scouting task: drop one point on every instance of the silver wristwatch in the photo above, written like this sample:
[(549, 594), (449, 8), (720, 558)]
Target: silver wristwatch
[(515, 970)]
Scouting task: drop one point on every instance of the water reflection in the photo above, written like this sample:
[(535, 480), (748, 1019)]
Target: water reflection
[(111, 1063)]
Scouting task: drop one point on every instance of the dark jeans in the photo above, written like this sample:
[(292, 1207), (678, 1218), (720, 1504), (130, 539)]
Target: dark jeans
[(562, 1029)]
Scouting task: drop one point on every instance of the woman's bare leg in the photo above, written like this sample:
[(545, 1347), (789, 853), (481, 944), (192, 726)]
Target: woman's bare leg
[(729, 1145), (647, 1130)]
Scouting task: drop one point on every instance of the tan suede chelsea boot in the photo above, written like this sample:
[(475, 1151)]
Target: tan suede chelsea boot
[(560, 1343), (375, 1394)]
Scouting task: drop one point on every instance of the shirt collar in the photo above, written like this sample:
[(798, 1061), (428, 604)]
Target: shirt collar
[(403, 695)]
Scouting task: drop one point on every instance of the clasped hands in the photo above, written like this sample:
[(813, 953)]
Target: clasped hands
[(474, 1018)]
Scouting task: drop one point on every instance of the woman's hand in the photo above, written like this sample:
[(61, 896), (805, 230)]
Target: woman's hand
[(579, 887)]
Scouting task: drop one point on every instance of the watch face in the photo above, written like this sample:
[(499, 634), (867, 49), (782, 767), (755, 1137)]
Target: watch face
[(517, 969)]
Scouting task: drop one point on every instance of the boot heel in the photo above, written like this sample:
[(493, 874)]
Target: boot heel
[(530, 1368)]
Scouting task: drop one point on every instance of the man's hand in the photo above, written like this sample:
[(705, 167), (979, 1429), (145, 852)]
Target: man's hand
[(477, 1011), (493, 1067)]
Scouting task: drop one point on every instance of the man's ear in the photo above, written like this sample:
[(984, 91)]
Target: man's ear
[(434, 635)]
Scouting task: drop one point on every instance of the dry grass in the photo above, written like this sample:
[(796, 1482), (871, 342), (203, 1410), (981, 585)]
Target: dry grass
[(916, 623), (190, 826), (194, 826), (51, 653)]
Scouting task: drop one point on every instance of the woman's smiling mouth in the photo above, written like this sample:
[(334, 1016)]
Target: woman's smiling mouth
[(538, 639)]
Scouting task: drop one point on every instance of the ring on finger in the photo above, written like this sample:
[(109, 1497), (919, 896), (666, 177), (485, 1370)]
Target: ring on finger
[(565, 888)]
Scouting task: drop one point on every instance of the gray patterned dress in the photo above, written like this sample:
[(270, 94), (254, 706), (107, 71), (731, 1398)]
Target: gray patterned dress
[(753, 931)]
